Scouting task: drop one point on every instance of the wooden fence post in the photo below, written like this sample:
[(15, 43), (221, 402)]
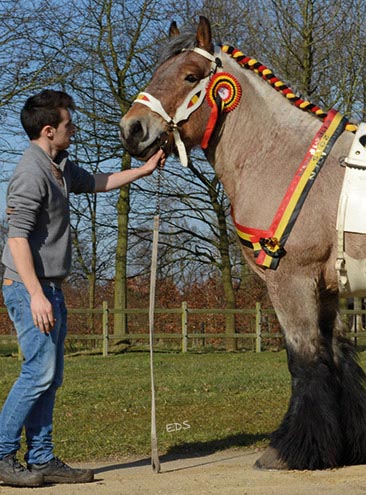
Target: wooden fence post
[(258, 327), (105, 328), (184, 326)]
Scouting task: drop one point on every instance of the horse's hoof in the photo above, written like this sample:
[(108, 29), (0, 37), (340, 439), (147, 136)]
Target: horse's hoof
[(270, 460)]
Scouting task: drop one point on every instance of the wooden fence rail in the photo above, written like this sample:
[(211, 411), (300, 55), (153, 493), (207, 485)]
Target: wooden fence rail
[(185, 336)]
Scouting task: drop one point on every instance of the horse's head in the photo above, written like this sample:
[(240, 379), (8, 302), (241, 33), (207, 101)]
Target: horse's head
[(160, 116)]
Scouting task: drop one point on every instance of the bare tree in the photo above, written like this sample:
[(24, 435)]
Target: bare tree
[(103, 52), (115, 52), (316, 47), (31, 58)]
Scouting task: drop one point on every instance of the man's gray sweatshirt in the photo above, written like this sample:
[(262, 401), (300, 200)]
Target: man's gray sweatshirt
[(38, 210)]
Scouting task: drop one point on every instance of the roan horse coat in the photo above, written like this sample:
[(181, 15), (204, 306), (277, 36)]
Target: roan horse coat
[(255, 150)]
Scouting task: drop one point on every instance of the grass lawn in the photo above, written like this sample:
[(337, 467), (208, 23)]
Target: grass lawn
[(203, 402)]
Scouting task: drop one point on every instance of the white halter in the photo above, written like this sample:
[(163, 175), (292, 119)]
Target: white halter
[(192, 101)]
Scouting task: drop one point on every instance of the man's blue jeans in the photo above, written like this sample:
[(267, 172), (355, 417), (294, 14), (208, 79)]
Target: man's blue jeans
[(30, 402)]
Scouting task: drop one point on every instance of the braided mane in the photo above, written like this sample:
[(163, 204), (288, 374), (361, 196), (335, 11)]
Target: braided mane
[(187, 40), (268, 76)]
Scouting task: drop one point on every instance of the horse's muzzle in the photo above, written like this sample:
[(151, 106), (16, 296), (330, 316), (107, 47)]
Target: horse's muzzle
[(142, 137)]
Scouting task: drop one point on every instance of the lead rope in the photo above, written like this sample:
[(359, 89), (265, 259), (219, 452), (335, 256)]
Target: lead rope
[(155, 462)]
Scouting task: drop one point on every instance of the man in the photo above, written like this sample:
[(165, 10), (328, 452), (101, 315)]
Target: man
[(37, 258)]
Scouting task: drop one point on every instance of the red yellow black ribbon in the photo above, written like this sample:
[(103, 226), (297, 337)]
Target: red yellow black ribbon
[(268, 245)]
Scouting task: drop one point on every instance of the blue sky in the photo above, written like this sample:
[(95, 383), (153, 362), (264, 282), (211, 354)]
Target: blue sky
[(8, 164), (2, 197)]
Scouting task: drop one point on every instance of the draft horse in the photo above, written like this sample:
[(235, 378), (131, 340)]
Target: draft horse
[(255, 139)]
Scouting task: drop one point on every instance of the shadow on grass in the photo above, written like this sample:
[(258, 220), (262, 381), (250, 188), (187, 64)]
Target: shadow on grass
[(192, 450)]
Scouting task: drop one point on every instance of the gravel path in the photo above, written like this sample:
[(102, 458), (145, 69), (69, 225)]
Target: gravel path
[(224, 473)]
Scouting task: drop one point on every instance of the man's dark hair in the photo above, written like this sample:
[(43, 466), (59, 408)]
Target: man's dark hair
[(44, 109)]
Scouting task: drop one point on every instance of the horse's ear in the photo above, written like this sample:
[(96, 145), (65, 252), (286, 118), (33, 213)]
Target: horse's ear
[(173, 30), (204, 38)]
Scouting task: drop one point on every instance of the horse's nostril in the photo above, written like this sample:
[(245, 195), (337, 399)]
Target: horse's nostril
[(132, 133), (136, 130)]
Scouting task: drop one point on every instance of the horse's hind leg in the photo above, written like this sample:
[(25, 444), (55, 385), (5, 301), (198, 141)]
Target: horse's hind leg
[(310, 435)]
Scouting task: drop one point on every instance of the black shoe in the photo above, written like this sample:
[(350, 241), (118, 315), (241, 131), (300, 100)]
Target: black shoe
[(56, 471), (14, 474)]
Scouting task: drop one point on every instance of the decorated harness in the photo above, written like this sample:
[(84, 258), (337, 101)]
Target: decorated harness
[(223, 92)]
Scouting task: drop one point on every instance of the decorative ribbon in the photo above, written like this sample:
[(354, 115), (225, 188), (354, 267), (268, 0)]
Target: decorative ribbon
[(223, 95), (268, 245)]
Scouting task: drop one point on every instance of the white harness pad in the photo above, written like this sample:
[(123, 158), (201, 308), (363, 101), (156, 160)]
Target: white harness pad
[(352, 217)]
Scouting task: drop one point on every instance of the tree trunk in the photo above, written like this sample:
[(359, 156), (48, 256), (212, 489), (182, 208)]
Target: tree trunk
[(227, 282), (225, 265), (120, 284), (92, 275), (223, 245), (91, 297)]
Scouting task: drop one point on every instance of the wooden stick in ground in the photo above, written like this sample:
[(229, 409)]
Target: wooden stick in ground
[(155, 462)]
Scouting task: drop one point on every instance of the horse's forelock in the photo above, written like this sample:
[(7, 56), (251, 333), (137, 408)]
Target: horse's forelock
[(181, 42)]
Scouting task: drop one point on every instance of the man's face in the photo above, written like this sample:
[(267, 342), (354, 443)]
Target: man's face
[(64, 132)]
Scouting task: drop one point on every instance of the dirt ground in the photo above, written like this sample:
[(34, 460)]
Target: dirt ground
[(224, 473)]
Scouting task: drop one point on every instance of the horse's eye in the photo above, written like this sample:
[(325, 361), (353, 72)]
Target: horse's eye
[(191, 78)]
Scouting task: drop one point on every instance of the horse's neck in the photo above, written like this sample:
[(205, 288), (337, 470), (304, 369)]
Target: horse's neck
[(259, 147)]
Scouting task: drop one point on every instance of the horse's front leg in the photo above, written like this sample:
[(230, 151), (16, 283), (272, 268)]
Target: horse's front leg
[(310, 435)]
